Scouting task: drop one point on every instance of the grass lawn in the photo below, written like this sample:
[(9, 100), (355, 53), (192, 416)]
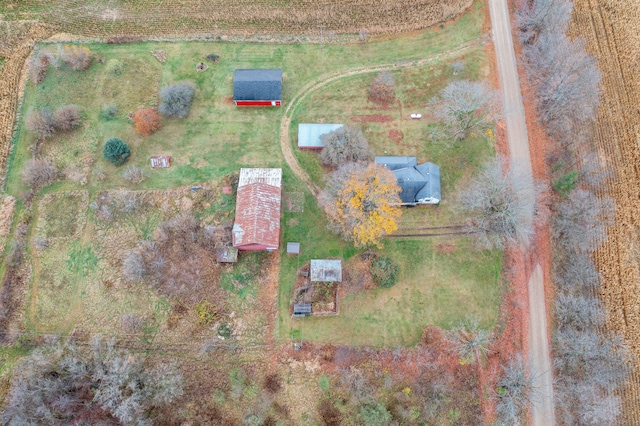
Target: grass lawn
[(435, 287), (73, 281)]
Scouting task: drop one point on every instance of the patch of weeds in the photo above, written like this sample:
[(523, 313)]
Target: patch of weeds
[(324, 383), (82, 259), (384, 271), (219, 396), (241, 280), (206, 312), (565, 183), (238, 381)]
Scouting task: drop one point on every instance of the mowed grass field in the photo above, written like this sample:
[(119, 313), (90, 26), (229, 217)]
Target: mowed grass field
[(75, 281)]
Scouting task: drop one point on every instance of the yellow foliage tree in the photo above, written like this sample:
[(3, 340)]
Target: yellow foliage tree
[(362, 203)]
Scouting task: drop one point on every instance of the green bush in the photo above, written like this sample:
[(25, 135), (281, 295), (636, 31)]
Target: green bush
[(564, 184), (374, 413), (176, 100), (384, 271), (115, 67), (109, 111), (116, 151)]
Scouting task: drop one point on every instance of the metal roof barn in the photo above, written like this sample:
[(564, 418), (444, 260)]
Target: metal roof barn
[(326, 270), (309, 134), (396, 162), (258, 202), (257, 87)]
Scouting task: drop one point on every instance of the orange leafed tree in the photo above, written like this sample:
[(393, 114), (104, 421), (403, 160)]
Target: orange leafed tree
[(147, 121), (361, 202)]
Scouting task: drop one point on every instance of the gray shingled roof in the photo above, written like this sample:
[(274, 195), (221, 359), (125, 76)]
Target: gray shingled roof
[(257, 85), (396, 162), (417, 182)]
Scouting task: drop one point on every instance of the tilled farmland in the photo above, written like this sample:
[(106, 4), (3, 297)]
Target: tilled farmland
[(165, 17), (610, 28)]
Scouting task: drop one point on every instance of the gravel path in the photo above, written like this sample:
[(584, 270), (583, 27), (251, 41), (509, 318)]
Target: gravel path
[(539, 360)]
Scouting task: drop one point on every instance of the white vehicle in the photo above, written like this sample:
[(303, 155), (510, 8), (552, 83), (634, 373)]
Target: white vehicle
[(416, 116)]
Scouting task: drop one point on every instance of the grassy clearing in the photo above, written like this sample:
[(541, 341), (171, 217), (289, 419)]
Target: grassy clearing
[(216, 138), (76, 280), (390, 131), (434, 287)]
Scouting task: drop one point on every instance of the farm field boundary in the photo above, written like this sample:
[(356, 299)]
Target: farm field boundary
[(610, 29), (174, 17)]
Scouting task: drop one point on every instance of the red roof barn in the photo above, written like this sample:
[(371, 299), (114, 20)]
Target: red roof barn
[(257, 222)]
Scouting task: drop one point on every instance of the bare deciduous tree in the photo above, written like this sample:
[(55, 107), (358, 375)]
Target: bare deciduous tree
[(344, 145), (576, 272), (39, 173), (78, 58), (567, 81), (581, 221), (579, 311), (470, 341), (500, 204), (464, 106), (587, 355), (176, 99), (66, 117), (68, 384), (133, 174), (516, 390), (41, 123), (383, 88), (542, 16), (37, 66)]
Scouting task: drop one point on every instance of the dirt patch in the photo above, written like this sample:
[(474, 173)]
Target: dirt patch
[(446, 248), (357, 275), (371, 118), (395, 136)]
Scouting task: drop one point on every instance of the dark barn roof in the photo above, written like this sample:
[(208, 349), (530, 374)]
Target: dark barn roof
[(301, 309), (257, 85), (420, 184), (396, 162)]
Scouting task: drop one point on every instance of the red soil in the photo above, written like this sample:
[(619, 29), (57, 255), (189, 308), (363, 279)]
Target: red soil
[(395, 135), (371, 118)]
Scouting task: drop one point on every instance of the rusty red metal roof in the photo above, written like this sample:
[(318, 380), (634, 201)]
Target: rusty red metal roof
[(258, 202)]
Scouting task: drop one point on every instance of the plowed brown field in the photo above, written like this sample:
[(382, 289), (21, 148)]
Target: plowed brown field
[(611, 30)]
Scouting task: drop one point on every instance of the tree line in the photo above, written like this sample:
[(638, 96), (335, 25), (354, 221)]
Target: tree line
[(591, 361)]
